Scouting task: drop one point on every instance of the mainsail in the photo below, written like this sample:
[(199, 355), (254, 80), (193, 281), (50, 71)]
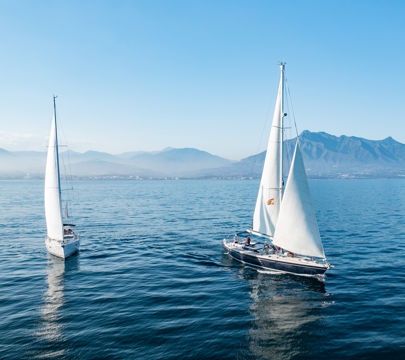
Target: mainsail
[(297, 230), (53, 209), (271, 185)]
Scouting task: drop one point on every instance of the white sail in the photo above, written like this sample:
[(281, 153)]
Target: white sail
[(297, 230), (270, 191), (53, 208)]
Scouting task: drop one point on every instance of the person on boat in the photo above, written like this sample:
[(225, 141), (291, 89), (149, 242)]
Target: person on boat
[(248, 240), (235, 238), (290, 254)]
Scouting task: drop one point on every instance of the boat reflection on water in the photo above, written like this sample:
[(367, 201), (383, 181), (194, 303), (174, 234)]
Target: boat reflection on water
[(286, 312), (50, 333)]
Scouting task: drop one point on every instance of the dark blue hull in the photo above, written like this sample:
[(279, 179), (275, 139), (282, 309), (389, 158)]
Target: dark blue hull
[(256, 261)]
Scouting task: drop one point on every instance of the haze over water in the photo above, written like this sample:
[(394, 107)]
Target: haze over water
[(152, 281)]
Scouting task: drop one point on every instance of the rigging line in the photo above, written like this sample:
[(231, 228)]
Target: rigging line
[(69, 165), (286, 140), (290, 132), (288, 153), (292, 108), (66, 163)]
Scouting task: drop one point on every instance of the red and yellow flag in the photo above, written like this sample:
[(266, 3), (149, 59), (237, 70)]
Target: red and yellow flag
[(270, 201)]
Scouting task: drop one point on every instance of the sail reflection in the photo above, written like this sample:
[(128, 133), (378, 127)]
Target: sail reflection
[(51, 328), (285, 310)]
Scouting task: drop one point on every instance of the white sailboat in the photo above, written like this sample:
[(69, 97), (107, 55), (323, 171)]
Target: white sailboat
[(61, 240), (284, 217)]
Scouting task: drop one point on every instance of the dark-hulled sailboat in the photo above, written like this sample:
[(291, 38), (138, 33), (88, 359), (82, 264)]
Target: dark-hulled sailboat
[(284, 220)]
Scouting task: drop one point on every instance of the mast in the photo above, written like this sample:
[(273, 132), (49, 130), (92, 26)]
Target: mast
[(282, 115), (56, 145)]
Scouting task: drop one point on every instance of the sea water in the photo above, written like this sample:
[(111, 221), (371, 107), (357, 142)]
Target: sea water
[(152, 281)]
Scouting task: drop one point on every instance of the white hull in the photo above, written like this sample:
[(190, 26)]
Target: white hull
[(63, 249)]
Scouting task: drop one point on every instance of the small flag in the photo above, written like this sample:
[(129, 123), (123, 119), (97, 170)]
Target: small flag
[(270, 201)]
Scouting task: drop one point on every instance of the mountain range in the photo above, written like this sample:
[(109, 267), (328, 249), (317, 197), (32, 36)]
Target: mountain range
[(325, 155)]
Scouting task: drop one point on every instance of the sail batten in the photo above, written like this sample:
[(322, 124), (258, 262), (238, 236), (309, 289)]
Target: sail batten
[(52, 194), (297, 229), (270, 191)]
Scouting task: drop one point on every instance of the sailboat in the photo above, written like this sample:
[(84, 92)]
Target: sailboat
[(284, 221), (61, 240)]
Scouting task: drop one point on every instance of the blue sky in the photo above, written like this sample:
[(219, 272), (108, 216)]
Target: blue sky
[(144, 75)]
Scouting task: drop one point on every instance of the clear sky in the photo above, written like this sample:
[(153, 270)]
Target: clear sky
[(144, 75)]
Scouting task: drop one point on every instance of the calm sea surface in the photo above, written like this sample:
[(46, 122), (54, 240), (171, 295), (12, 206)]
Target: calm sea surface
[(152, 281)]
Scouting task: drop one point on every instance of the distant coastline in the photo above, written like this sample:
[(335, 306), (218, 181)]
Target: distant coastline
[(326, 157)]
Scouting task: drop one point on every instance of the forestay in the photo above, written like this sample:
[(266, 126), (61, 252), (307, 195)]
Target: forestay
[(297, 230), (53, 209), (270, 191)]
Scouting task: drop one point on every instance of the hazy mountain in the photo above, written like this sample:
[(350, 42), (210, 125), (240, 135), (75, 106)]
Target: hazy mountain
[(21, 163), (169, 162), (90, 155), (100, 168), (179, 162), (328, 155), (325, 155)]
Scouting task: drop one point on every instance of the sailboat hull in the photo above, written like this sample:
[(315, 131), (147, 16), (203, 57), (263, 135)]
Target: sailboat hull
[(274, 262), (62, 249)]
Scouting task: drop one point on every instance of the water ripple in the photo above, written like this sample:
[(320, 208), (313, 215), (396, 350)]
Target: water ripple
[(152, 281)]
